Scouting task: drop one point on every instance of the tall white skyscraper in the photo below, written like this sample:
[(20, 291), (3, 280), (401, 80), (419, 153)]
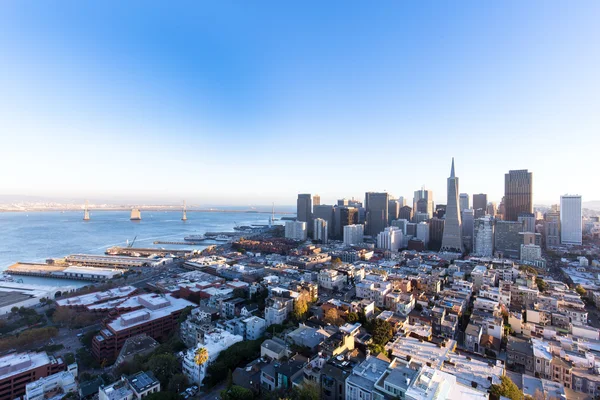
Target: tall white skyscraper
[(571, 228), (320, 230), (295, 230), (452, 238), (354, 234)]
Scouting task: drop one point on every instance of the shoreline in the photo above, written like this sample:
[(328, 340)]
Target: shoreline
[(156, 209)]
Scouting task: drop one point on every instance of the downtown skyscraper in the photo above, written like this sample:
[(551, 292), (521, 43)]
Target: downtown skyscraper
[(377, 212), (452, 239), (518, 194), (571, 224)]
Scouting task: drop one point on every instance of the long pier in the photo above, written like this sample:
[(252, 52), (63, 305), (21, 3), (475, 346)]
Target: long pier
[(145, 252)]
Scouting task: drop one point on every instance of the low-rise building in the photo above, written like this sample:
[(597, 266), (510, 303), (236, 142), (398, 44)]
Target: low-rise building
[(19, 369), (214, 343)]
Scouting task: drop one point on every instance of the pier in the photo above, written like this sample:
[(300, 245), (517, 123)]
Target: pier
[(63, 271), (146, 252)]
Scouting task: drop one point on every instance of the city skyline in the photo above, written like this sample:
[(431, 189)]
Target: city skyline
[(219, 109)]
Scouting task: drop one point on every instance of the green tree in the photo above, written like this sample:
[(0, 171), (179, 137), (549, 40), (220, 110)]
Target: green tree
[(184, 314), (506, 388), (352, 317), (541, 284), (163, 366), (307, 391), (382, 332), (229, 379), (163, 396), (69, 358), (237, 393), (177, 383), (581, 291)]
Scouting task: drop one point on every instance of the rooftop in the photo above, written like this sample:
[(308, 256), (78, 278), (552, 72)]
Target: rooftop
[(15, 363)]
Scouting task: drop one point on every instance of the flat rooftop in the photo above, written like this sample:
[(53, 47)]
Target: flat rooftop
[(97, 297), (16, 363), (169, 305)]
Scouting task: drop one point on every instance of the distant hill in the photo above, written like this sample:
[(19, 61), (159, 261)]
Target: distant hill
[(592, 205)]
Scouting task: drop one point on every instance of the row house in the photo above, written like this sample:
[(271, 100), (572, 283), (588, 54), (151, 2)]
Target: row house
[(374, 291)]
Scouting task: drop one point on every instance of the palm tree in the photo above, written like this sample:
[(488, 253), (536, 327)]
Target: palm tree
[(201, 356)]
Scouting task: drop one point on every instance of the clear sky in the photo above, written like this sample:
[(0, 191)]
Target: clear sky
[(238, 102)]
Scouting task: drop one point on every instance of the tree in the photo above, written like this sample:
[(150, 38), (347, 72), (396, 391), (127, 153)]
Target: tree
[(300, 308), (163, 396), (332, 317), (237, 393), (418, 307), (506, 388), (352, 317), (241, 293), (201, 356), (163, 366), (382, 332), (14, 310), (184, 314), (541, 284), (581, 291), (177, 383), (307, 391)]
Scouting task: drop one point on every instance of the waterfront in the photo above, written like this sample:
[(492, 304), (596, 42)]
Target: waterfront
[(36, 236)]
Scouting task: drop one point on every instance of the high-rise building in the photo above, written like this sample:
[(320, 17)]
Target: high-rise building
[(390, 239), (320, 230), (343, 202), (468, 229), (316, 200), (401, 224), (406, 213), (571, 223), (427, 204), (492, 209), (452, 239), (353, 234), (507, 239), (402, 201), (423, 233), (440, 211), (552, 228), (421, 217), (377, 212), (344, 216), (411, 229), (436, 233), (463, 201), (325, 212), (518, 194), (295, 230), (393, 210), (479, 205), (483, 244), (528, 221), (304, 208)]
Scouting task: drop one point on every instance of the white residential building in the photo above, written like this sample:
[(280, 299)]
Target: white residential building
[(60, 384), (332, 280), (390, 239), (571, 224), (255, 327), (353, 234), (374, 291), (295, 230), (214, 343), (320, 227)]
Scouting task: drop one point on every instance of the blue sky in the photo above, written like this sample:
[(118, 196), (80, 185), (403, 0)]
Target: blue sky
[(229, 103)]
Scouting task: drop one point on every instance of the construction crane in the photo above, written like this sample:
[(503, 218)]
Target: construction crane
[(130, 245)]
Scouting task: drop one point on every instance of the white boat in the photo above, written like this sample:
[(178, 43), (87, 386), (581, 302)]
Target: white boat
[(222, 238)]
